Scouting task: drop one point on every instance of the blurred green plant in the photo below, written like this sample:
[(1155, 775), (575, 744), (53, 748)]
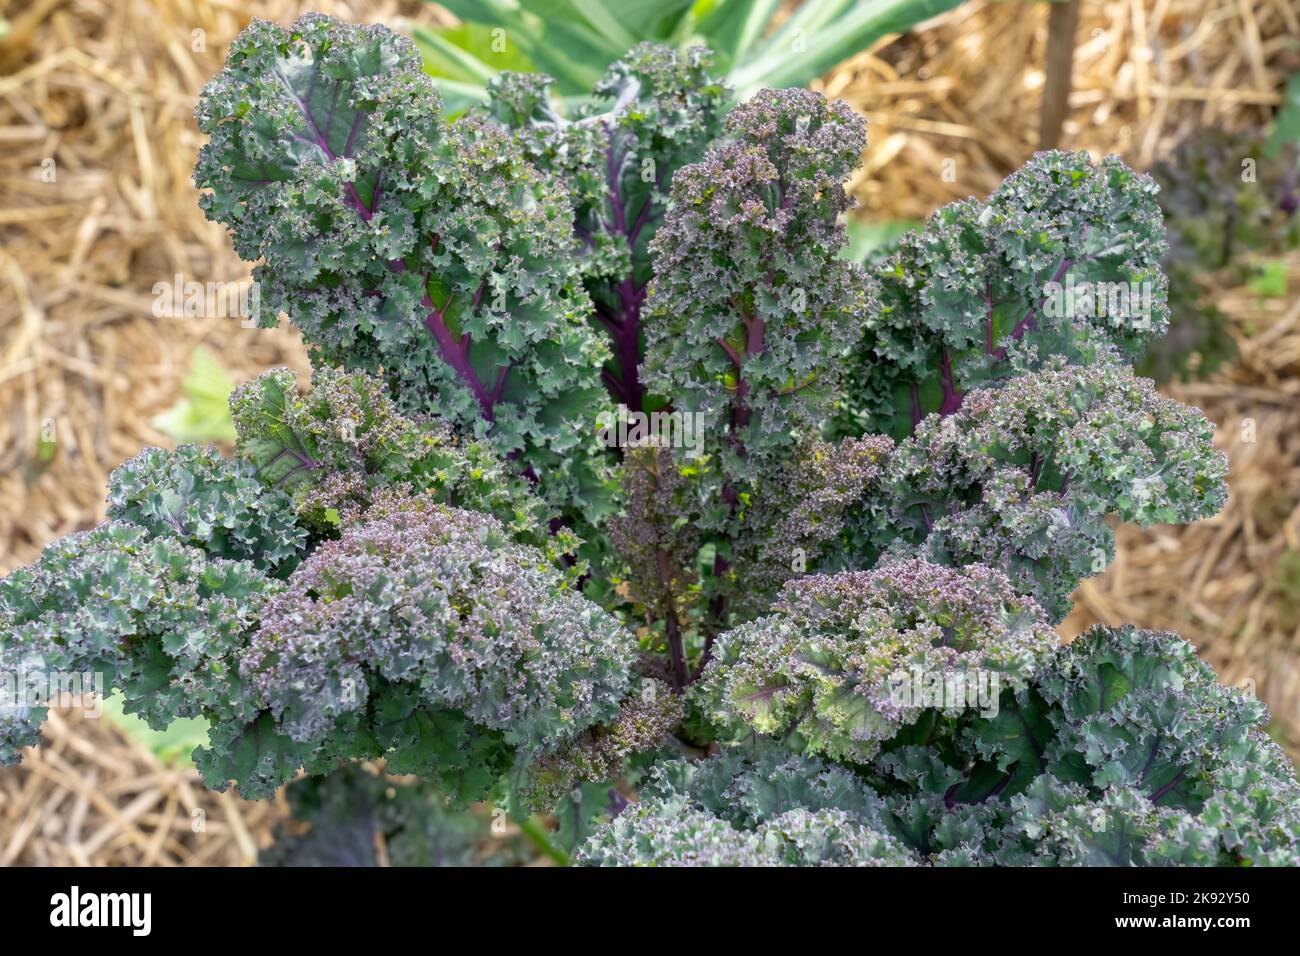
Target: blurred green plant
[(1269, 279), (1227, 198), (357, 817), (873, 240), (1286, 587), (575, 41), (46, 446), (1286, 125), (172, 746), (203, 414)]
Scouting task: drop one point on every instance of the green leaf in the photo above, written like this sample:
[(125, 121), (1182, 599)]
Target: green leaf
[(574, 41), (793, 59), (460, 60), (732, 27), (870, 241), (282, 455), (1286, 125), (203, 415), (173, 746), (1270, 279)]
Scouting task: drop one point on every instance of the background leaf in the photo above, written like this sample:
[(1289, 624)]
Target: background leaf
[(203, 415)]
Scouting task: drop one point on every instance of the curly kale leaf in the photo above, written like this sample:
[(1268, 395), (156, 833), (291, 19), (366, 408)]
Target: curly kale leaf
[(1124, 751), (655, 110), (653, 534), (398, 242), (158, 621), (769, 809), (793, 516), (828, 668), (335, 446), (671, 834), (1120, 750), (750, 306), (208, 502), (159, 601), (1024, 478), (980, 294), (426, 635), (645, 719)]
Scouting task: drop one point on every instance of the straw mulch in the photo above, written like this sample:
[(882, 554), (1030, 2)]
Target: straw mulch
[(954, 107), (106, 89), (92, 796)]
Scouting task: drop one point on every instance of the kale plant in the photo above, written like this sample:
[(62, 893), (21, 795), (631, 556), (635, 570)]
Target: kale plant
[(794, 604), (1226, 196)]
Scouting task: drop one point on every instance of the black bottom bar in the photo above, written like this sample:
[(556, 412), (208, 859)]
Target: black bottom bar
[(296, 907)]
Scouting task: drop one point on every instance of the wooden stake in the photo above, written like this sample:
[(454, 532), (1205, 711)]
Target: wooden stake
[(1062, 23)]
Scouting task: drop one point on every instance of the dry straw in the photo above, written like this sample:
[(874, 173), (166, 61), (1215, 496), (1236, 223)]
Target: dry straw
[(92, 796), (963, 93)]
